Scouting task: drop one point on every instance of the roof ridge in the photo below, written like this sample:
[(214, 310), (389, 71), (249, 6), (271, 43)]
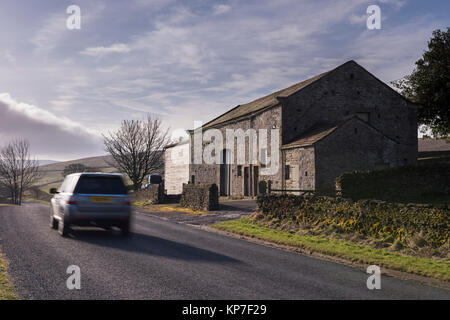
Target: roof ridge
[(272, 99)]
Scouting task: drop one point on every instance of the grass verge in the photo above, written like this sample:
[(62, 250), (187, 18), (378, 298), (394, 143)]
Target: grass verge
[(7, 291), (148, 207), (343, 249)]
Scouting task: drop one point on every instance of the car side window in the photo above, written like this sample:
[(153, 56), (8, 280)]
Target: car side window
[(66, 185), (71, 185), (63, 185)]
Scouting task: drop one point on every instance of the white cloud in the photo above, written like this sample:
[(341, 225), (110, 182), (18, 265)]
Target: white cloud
[(221, 9), (51, 31), (102, 51), (356, 19), (53, 136), (8, 56)]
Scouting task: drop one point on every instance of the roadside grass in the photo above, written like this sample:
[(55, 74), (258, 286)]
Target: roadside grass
[(149, 207), (439, 269), (7, 291), (39, 201)]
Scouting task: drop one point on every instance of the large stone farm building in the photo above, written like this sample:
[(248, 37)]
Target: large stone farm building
[(341, 120)]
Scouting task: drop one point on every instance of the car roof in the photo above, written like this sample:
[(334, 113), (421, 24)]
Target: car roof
[(95, 174)]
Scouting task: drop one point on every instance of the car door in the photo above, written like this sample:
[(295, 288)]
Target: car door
[(60, 197)]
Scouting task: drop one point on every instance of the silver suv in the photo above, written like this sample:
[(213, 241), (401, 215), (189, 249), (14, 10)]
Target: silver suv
[(91, 199)]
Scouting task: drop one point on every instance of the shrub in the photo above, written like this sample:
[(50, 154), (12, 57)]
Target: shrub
[(398, 184)]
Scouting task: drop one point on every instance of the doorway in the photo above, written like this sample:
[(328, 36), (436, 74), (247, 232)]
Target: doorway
[(255, 180), (246, 184), (225, 173)]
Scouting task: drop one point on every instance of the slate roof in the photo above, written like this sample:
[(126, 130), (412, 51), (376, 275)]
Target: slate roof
[(320, 131), (313, 135), (272, 99), (262, 103)]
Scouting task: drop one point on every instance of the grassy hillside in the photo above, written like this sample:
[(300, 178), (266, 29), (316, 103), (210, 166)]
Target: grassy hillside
[(52, 173)]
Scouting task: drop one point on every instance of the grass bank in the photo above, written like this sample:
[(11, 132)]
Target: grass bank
[(7, 291), (354, 252), (148, 207)]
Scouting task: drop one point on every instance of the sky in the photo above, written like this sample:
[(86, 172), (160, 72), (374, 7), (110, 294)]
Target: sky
[(182, 61)]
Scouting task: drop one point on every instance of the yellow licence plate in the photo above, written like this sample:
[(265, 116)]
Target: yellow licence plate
[(102, 199)]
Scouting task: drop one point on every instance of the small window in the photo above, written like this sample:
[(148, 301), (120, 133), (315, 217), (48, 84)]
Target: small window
[(239, 171), (306, 173), (263, 157), (193, 179), (356, 130), (287, 172)]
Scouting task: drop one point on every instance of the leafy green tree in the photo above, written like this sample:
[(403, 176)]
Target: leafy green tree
[(429, 85)]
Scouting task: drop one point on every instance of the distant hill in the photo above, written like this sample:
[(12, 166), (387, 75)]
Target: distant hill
[(52, 173), (45, 162), (94, 162)]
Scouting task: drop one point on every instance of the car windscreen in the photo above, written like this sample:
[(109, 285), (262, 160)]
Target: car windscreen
[(100, 185)]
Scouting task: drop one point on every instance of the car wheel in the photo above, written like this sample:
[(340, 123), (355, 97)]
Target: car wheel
[(63, 229), (53, 221)]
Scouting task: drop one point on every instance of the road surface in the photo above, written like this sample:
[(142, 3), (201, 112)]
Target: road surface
[(167, 260)]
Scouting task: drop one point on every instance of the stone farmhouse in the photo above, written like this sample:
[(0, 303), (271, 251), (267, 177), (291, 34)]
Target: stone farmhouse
[(338, 121)]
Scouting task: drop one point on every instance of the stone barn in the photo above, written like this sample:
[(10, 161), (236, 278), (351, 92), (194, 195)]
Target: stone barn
[(341, 120)]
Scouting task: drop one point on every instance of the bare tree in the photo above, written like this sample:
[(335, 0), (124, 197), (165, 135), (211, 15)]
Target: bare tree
[(137, 148), (18, 172), (77, 167)]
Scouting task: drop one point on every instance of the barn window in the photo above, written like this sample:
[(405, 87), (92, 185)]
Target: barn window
[(263, 157), (287, 172)]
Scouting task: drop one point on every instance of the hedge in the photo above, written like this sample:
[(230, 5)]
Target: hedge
[(399, 184)]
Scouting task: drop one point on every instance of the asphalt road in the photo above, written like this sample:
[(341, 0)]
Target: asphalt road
[(167, 260)]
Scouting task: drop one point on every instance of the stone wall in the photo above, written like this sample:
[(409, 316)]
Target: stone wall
[(208, 174), (406, 184), (200, 197), (302, 168), (153, 194), (354, 146), (38, 194)]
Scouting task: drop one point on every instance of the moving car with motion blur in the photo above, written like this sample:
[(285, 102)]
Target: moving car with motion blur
[(91, 199)]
